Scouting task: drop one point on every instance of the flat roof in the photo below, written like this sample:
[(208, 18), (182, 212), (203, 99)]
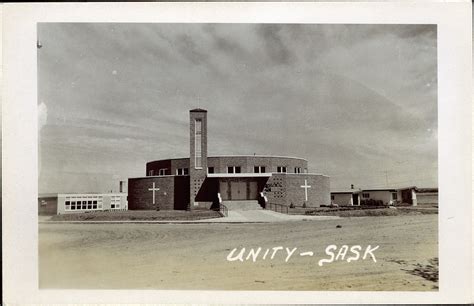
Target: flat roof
[(241, 175), (198, 110), (273, 156), (219, 156), (381, 189), (309, 173), (347, 191)]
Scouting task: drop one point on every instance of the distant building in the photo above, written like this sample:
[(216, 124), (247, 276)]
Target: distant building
[(53, 203), (83, 202), (203, 182), (386, 196), (346, 197), (47, 204)]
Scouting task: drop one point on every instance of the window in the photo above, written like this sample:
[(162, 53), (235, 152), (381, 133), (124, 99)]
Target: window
[(297, 169), (115, 202), (332, 197), (68, 205), (234, 169), (182, 171), (259, 169), (394, 196), (162, 171), (151, 172), (366, 195), (210, 169), (197, 143), (281, 169)]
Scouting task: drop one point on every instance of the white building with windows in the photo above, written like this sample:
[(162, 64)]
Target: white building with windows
[(388, 196), (79, 203)]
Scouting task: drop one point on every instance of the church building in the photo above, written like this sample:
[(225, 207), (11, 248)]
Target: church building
[(205, 182)]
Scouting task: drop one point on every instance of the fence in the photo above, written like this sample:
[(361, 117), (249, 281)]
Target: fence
[(277, 208), (223, 210)]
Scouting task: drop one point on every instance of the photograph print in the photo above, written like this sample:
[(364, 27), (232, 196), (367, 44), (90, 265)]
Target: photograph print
[(249, 156)]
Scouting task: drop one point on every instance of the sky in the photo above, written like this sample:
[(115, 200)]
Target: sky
[(359, 102)]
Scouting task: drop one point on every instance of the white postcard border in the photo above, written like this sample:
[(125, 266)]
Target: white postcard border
[(20, 139)]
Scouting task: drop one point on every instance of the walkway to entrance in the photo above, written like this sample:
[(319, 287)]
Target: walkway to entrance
[(242, 205), (263, 215)]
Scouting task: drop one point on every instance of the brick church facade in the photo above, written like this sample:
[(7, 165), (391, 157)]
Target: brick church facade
[(203, 182)]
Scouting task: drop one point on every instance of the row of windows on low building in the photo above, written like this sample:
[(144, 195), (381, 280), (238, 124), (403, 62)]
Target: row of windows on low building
[(90, 203), (230, 169), (83, 205)]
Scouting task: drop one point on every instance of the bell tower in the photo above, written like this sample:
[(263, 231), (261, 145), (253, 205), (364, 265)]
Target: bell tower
[(198, 153)]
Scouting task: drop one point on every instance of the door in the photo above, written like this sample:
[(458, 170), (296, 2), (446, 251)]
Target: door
[(253, 190), (224, 190), (355, 199), (238, 190)]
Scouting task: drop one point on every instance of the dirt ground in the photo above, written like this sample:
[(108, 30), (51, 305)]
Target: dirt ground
[(130, 215), (193, 256)]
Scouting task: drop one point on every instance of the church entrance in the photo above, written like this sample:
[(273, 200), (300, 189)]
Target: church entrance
[(235, 190), (238, 190)]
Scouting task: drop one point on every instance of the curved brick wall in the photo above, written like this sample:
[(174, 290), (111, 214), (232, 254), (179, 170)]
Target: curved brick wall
[(220, 164)]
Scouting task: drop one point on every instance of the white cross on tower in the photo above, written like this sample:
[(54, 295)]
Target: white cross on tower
[(305, 186), (153, 189)]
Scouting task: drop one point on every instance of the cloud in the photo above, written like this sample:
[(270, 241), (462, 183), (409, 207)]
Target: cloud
[(349, 98)]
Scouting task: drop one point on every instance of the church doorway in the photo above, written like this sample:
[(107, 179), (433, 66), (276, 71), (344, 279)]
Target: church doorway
[(237, 190)]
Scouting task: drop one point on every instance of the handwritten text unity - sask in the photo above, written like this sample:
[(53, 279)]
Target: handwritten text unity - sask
[(332, 253)]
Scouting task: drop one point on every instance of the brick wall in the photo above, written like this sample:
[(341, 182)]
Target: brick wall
[(286, 189), (155, 166), (247, 163), (173, 193), (220, 164)]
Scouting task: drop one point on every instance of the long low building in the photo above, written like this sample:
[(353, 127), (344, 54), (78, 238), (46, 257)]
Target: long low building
[(386, 196), (51, 204), (78, 203), (204, 182)]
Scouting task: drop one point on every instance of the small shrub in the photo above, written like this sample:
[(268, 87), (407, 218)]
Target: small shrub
[(292, 205), (304, 205)]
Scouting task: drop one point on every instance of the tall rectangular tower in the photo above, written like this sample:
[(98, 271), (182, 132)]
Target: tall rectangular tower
[(198, 153)]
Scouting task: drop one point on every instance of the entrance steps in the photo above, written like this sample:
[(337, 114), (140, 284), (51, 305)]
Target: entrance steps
[(242, 205)]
